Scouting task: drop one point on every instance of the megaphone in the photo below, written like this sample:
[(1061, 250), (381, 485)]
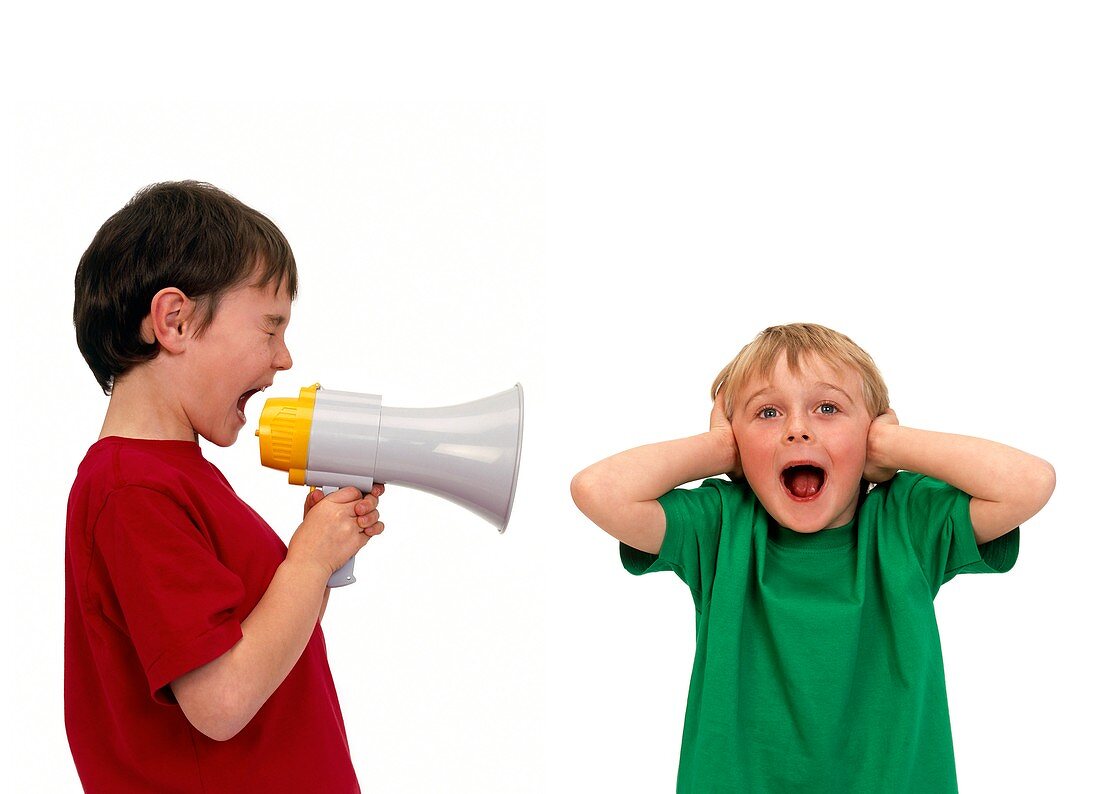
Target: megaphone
[(468, 454)]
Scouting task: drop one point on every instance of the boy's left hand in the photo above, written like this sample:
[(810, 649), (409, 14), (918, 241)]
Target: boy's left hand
[(877, 469), (313, 497), (316, 495)]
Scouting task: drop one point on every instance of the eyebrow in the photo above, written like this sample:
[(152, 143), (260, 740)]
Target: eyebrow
[(818, 385), (834, 387), (274, 320), (752, 399)]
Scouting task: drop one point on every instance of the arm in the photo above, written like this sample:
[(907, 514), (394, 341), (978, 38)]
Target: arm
[(1006, 486), (222, 696), (619, 494)]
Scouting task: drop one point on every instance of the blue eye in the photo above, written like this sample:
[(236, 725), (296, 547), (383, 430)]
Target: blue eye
[(828, 408), (768, 413)]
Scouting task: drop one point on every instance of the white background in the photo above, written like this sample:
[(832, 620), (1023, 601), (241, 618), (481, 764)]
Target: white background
[(605, 203)]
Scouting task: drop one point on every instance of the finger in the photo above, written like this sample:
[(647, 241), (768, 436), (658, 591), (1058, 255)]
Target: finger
[(369, 519), (718, 410), (312, 498), (365, 505), (378, 489), (372, 530)]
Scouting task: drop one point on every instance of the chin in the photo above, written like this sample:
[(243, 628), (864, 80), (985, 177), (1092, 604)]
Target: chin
[(805, 517), (223, 438), (803, 525), (804, 530)]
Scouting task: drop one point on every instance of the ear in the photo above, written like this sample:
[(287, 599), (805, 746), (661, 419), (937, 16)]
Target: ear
[(170, 313)]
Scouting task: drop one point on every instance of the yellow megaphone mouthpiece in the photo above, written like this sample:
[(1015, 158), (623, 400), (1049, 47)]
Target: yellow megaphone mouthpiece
[(285, 424)]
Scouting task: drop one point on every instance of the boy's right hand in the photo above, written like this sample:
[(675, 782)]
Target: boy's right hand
[(878, 468), (722, 431), (335, 528)]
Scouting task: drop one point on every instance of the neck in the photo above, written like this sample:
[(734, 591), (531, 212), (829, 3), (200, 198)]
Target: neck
[(141, 407)]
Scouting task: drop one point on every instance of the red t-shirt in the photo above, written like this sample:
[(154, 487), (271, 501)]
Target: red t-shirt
[(163, 563)]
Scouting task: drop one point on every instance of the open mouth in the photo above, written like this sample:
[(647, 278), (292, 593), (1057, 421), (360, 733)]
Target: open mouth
[(244, 399), (803, 480)]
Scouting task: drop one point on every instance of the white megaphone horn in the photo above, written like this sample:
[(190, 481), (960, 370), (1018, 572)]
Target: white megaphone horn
[(468, 453)]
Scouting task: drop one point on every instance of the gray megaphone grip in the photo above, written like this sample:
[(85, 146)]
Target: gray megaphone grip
[(345, 574)]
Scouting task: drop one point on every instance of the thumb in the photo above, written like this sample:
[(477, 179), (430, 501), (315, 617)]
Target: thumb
[(345, 495)]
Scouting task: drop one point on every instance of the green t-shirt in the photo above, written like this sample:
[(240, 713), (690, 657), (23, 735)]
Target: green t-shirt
[(818, 665)]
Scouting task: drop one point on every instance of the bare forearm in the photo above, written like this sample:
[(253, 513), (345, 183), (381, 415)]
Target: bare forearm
[(1009, 485), (221, 697), (981, 468), (645, 473), (618, 493)]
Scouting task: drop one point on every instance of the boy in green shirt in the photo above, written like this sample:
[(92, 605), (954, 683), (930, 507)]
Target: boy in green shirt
[(818, 664)]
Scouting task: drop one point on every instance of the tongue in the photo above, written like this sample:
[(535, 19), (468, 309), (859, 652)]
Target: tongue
[(804, 481)]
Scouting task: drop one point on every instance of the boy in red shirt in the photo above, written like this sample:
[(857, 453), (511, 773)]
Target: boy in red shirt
[(194, 658)]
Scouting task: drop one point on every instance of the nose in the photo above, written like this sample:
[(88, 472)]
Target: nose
[(797, 432), (282, 358)]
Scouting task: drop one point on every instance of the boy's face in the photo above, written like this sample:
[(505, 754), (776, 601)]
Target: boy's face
[(802, 441), (240, 352)]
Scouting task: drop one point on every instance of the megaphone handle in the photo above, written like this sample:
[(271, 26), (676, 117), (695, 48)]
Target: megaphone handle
[(346, 574)]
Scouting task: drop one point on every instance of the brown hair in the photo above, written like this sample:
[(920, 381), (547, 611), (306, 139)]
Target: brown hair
[(188, 235), (758, 358)]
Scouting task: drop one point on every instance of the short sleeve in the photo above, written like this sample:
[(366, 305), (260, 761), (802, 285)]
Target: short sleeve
[(936, 518), (175, 599), (693, 522)]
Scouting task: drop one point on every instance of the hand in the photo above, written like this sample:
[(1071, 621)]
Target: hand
[(877, 469), (335, 527), (722, 430), (315, 495)]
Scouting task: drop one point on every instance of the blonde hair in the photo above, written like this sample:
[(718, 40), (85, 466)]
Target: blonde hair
[(758, 358)]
